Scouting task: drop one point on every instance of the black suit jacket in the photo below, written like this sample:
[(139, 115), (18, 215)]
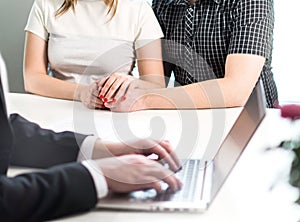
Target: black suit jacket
[(58, 191)]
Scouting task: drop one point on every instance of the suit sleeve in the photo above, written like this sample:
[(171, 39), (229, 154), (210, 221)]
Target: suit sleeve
[(52, 193), (37, 147)]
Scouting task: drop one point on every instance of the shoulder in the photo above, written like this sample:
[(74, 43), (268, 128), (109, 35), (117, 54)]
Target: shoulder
[(133, 4), (135, 8), (160, 5), (48, 4)]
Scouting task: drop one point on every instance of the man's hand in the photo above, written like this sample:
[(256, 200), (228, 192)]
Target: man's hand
[(161, 149), (136, 172), (133, 100), (89, 96)]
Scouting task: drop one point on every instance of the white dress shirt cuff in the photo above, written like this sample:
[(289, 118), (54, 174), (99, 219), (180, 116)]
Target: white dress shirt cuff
[(98, 178), (86, 149)]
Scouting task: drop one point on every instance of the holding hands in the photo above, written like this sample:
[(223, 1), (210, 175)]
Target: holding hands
[(119, 93), (113, 88), (106, 92)]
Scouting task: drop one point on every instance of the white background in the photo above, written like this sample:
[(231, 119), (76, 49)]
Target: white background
[(286, 50)]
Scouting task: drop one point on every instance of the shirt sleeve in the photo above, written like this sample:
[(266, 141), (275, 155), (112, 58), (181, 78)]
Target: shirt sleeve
[(252, 31), (148, 28), (85, 156), (98, 178), (86, 148), (36, 22)]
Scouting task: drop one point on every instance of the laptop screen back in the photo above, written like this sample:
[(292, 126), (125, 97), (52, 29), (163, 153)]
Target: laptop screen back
[(238, 138)]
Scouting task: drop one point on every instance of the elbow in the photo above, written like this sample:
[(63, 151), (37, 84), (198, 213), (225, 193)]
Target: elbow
[(236, 99), (235, 92), (27, 85), (30, 83)]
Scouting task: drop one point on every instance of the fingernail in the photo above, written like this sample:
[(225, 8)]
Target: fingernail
[(114, 100), (124, 98), (100, 97), (105, 100)]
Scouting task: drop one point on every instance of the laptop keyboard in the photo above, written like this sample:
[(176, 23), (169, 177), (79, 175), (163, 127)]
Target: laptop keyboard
[(192, 176), (192, 179)]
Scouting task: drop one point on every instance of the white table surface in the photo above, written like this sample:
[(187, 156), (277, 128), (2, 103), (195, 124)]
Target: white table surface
[(256, 190)]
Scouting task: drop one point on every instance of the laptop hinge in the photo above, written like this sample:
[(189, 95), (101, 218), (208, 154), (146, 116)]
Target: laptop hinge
[(207, 182)]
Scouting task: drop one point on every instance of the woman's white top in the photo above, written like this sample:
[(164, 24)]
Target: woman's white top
[(83, 45)]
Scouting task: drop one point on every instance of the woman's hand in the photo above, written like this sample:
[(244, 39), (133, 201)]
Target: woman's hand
[(113, 88), (89, 96), (117, 88)]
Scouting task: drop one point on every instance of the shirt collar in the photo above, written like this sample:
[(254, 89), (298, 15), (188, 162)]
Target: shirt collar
[(184, 2)]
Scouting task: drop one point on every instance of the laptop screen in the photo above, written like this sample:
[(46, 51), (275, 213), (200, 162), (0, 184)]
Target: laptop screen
[(238, 137)]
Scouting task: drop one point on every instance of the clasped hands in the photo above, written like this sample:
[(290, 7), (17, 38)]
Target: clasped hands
[(117, 92), (128, 166)]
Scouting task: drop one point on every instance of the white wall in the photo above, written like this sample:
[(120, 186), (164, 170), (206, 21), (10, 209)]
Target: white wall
[(286, 59), (13, 17)]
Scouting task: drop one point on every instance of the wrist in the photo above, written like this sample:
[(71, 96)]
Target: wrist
[(78, 92), (103, 149), (156, 99)]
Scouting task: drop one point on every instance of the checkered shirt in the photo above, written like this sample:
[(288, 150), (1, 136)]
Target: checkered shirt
[(221, 27)]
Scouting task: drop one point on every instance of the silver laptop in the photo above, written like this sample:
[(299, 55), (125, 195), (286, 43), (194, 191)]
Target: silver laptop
[(202, 181)]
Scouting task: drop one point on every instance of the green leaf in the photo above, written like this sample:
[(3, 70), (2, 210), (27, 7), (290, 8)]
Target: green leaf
[(294, 180)]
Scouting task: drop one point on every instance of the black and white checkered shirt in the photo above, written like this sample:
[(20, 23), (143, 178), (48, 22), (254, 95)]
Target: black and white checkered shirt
[(220, 27)]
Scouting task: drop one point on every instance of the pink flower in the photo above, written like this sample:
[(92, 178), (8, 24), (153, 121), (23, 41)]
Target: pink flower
[(290, 111)]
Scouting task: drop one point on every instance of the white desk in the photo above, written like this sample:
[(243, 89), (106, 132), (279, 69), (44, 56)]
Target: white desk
[(246, 195)]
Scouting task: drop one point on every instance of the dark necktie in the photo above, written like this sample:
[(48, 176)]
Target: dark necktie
[(189, 25), (189, 29)]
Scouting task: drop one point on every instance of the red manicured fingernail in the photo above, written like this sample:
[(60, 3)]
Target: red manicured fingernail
[(124, 98), (100, 97), (105, 100), (114, 100)]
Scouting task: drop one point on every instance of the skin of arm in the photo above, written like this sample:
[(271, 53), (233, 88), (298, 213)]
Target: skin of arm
[(36, 79), (241, 73), (150, 64)]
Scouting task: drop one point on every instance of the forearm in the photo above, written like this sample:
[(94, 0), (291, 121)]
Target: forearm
[(44, 85), (217, 93), (150, 65), (159, 82), (242, 71), (154, 78)]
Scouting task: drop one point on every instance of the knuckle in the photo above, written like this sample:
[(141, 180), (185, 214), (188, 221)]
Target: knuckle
[(115, 75), (113, 87)]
